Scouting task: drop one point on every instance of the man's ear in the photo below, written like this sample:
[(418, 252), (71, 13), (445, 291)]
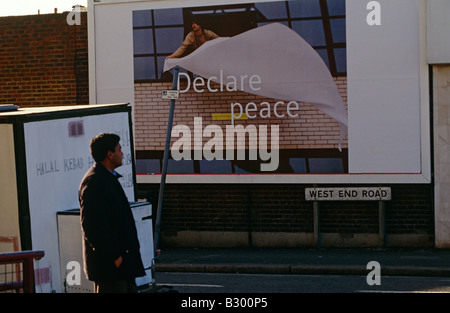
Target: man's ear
[(109, 154)]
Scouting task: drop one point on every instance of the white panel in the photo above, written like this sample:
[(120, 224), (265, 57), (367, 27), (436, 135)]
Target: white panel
[(9, 218), (384, 88), (143, 218), (387, 93), (114, 54), (438, 38), (70, 245), (71, 249), (56, 163)]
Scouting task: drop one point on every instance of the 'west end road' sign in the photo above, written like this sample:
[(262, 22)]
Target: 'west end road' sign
[(348, 194)]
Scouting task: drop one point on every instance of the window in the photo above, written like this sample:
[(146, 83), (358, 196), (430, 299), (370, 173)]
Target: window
[(76, 128), (154, 39), (291, 161), (158, 33)]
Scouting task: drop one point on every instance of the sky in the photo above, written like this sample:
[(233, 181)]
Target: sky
[(31, 7)]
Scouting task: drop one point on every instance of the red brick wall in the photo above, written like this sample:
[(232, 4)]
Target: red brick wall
[(214, 211), (282, 208), (317, 131), (43, 60)]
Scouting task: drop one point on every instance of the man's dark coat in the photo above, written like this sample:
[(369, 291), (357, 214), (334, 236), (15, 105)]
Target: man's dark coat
[(108, 228)]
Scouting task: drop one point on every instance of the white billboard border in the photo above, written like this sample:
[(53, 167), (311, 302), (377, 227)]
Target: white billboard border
[(424, 177)]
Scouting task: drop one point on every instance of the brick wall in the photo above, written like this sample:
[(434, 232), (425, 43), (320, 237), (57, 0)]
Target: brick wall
[(275, 215), (317, 131), (281, 212), (43, 60)]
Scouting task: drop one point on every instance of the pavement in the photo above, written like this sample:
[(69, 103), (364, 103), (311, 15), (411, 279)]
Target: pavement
[(393, 262)]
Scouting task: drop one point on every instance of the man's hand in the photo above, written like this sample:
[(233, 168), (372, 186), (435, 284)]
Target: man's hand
[(118, 261)]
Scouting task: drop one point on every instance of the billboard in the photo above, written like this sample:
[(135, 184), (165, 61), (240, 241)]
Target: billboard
[(280, 91)]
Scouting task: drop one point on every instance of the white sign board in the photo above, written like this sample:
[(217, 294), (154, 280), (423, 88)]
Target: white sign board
[(387, 80), (348, 194), (56, 163), (170, 94)]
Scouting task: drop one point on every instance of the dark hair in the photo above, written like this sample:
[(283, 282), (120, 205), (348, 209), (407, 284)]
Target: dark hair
[(195, 19), (101, 144)]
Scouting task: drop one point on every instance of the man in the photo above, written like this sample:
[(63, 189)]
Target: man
[(194, 39), (110, 244)]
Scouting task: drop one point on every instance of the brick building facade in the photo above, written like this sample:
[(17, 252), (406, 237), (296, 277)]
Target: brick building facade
[(318, 131), (277, 215), (218, 213), (267, 215), (43, 61)]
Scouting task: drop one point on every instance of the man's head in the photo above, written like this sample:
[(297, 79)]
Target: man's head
[(106, 149), (196, 26)]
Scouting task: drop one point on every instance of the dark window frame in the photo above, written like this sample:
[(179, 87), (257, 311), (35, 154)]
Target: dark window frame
[(252, 166), (325, 17)]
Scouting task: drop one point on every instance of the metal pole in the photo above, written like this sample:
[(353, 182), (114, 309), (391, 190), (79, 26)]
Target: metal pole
[(382, 223), (165, 161), (317, 239)]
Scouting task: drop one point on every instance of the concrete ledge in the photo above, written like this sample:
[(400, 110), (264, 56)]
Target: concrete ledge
[(198, 268), (249, 269), (302, 269), (416, 271), (328, 270), (225, 239)]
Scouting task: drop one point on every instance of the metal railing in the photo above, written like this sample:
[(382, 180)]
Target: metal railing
[(17, 271)]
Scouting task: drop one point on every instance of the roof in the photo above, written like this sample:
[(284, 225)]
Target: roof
[(43, 111)]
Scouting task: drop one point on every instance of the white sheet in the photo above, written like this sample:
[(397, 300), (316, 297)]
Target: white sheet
[(290, 69)]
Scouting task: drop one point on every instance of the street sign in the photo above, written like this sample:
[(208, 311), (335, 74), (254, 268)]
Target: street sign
[(348, 194), (170, 94)]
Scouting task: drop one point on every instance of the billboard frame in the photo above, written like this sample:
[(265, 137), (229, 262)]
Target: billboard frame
[(125, 92)]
